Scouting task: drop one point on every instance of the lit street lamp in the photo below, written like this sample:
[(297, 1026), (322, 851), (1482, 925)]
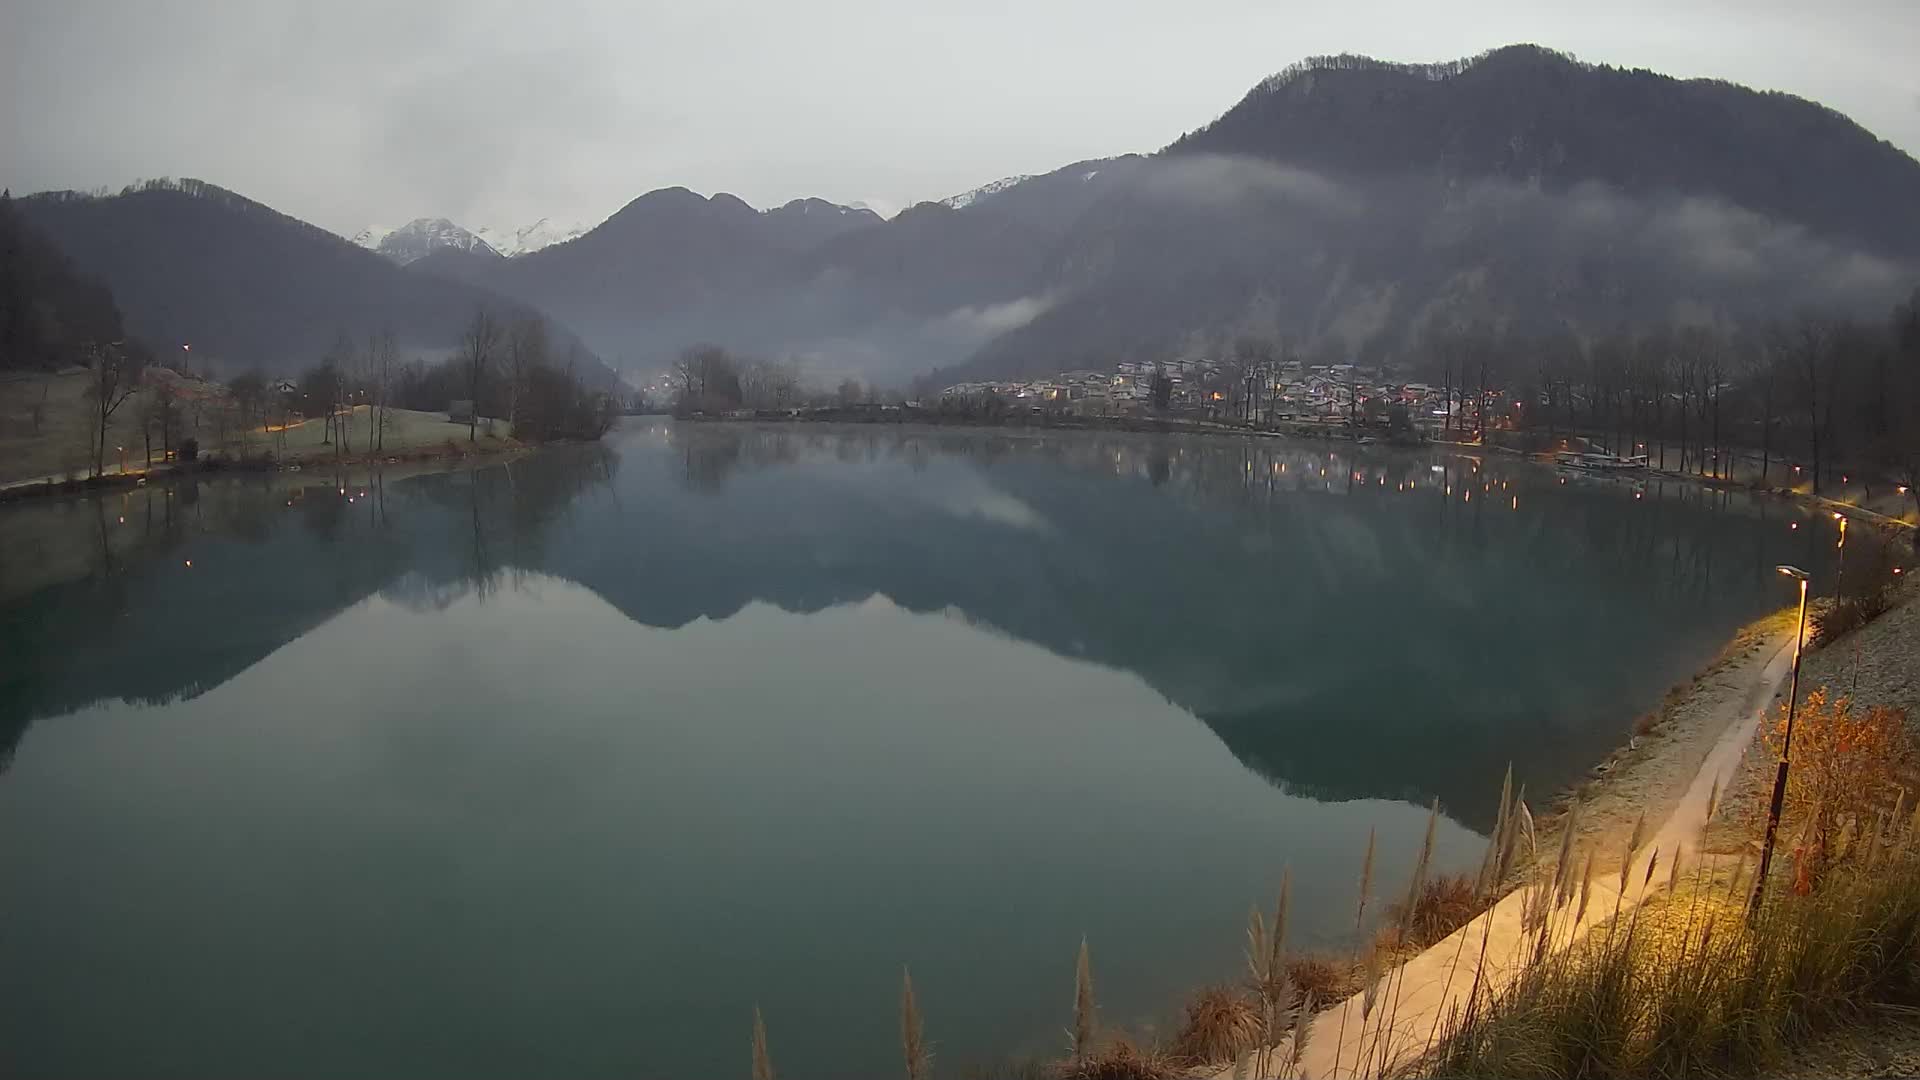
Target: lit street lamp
[(1786, 745), (1840, 571)]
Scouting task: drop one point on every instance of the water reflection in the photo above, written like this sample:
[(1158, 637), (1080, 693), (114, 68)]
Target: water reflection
[(1351, 622), (619, 741)]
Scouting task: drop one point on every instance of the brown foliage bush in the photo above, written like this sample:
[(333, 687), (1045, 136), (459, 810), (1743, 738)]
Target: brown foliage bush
[(1220, 1025), (1121, 1060), (1848, 614), (1445, 904), (1320, 978), (1846, 765)]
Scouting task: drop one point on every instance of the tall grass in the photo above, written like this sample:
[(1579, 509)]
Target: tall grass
[(762, 1063), (1694, 986), (1083, 1005), (913, 1043)]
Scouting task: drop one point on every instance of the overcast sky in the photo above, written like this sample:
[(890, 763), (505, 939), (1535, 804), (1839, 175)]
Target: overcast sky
[(353, 112)]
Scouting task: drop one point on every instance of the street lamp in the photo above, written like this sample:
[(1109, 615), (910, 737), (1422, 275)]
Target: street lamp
[(1840, 571), (1786, 745)]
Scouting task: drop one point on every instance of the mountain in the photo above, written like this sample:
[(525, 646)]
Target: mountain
[(247, 285), (673, 267), (49, 310), (968, 198), (529, 238), (421, 237), (1537, 117), (1346, 207), (1349, 206)]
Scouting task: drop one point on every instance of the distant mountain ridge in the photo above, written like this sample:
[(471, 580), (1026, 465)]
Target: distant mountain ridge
[(1537, 116), (1344, 207), (249, 286), (1348, 206)]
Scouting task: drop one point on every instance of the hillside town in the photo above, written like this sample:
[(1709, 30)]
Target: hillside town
[(1288, 390)]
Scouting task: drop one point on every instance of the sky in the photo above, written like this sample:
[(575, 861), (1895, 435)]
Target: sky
[(348, 113)]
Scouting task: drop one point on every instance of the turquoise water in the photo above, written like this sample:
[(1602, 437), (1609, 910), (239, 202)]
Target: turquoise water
[(563, 765)]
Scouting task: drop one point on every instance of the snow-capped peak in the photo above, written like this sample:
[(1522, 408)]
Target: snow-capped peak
[(530, 238), (968, 198), (370, 237), (419, 238)]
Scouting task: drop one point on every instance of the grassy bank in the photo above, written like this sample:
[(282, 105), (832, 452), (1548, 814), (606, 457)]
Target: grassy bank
[(47, 428), (1691, 982)]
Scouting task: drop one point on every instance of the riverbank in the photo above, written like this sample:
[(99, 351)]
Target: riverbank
[(1665, 777), (1040, 421), (53, 540), (1884, 506), (1691, 781), (298, 457), (1668, 749)]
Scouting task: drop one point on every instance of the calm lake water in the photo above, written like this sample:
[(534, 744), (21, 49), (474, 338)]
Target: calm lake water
[(560, 767)]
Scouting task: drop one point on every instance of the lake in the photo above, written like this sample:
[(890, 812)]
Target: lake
[(562, 765)]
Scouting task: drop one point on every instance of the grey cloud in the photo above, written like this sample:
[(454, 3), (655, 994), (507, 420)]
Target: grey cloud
[(1219, 182), (976, 324)]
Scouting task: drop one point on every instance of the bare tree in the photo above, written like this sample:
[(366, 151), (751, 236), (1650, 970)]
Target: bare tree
[(686, 372), (1812, 369), (1762, 372), (249, 394), (1656, 372), (477, 348), (709, 379), (382, 360), (163, 412), (1902, 449), (1704, 362), (116, 377), (526, 349)]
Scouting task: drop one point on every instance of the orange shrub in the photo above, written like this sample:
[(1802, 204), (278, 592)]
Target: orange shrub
[(1846, 766)]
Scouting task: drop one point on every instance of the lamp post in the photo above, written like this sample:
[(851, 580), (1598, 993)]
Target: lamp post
[(1786, 745), (1840, 570)]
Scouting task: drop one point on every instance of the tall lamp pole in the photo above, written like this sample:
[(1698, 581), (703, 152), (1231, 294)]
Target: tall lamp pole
[(1786, 745), (1840, 574)]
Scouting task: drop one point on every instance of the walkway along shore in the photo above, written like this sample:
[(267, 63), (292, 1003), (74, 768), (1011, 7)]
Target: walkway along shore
[(1421, 995)]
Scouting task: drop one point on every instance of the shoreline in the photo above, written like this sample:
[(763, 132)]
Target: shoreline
[(48, 487), (1303, 430), (1698, 771), (1702, 733), (1671, 747)]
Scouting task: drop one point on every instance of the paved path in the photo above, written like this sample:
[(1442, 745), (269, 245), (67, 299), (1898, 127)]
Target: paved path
[(1437, 982)]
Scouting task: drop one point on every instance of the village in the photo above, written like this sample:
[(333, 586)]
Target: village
[(1346, 394)]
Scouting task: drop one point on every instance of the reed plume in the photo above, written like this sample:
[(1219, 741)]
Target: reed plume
[(762, 1064), (912, 1039), (1586, 888), (1366, 882), (1083, 1005)]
